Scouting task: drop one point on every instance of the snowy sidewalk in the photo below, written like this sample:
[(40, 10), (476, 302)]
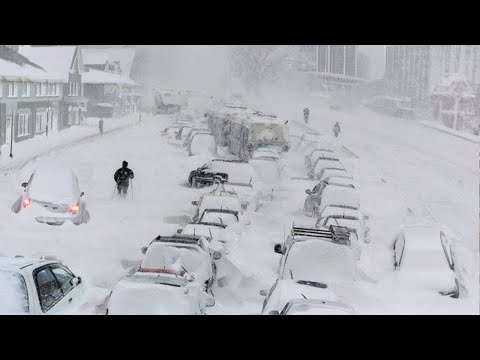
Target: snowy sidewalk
[(460, 134), (41, 144)]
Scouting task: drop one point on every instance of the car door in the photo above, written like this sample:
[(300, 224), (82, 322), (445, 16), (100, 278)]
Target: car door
[(398, 250), (72, 289), (48, 289)]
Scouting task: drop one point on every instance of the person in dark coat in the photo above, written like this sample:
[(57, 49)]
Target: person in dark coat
[(122, 178), (100, 126), (336, 129), (306, 114)]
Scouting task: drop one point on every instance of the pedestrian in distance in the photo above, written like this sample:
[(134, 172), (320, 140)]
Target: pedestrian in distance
[(336, 129), (306, 115), (122, 177), (100, 126)]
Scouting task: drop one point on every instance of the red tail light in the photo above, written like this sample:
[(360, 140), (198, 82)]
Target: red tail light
[(74, 209), (26, 202)]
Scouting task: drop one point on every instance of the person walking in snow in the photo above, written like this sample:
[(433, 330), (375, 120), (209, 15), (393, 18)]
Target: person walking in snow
[(122, 177), (306, 114), (100, 126), (336, 129)]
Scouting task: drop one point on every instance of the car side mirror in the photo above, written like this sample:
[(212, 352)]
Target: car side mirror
[(263, 292), (144, 250), (75, 281), (82, 194), (25, 184), (217, 255), (195, 203), (274, 312), (278, 249), (179, 231), (308, 191)]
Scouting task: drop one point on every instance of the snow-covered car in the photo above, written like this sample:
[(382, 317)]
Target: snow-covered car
[(217, 200), (302, 297), (342, 210), (321, 255), (338, 195), (187, 137), (265, 153), (249, 195), (217, 170), (232, 219), (202, 143), (423, 258), (324, 163), (171, 132), (52, 196), (314, 196), (332, 172), (219, 236), (269, 168), (183, 132), (313, 155), (164, 292), (191, 254), (37, 286)]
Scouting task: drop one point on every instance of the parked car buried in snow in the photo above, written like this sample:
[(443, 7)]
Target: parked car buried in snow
[(37, 286), (313, 155), (321, 255), (314, 196), (52, 196), (202, 143), (324, 162), (338, 195), (302, 297), (423, 258), (164, 292), (190, 254), (217, 200)]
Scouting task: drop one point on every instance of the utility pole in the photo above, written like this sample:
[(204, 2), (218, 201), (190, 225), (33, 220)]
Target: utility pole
[(11, 133)]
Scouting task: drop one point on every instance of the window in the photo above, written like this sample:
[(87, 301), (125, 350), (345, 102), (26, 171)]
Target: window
[(40, 121), (447, 59), (22, 125), (25, 89), (48, 288), (39, 89), (457, 58), (64, 278), (44, 89), (12, 89), (1, 89), (70, 88), (57, 89)]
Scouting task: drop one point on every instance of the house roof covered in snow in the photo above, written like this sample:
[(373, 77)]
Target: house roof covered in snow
[(124, 56), (15, 66), (56, 60), (93, 76)]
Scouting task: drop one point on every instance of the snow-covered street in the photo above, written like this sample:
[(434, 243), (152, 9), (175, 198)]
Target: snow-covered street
[(408, 173)]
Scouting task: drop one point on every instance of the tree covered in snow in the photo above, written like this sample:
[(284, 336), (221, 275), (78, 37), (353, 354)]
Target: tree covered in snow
[(255, 64)]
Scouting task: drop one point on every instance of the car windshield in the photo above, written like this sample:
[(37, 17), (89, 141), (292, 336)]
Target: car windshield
[(220, 202), (219, 218), (319, 260), (13, 293), (176, 257), (313, 309), (129, 298)]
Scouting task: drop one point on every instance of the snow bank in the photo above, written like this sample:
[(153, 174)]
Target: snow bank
[(461, 134), (14, 299)]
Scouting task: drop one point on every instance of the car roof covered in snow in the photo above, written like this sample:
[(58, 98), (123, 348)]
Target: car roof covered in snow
[(335, 210), (17, 263), (238, 171), (319, 307), (340, 195), (422, 237), (54, 184)]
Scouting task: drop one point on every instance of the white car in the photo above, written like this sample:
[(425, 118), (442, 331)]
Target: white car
[(321, 255), (231, 219), (202, 143), (217, 199), (161, 293), (191, 254), (52, 196), (38, 286), (302, 297), (336, 211), (315, 195), (329, 172), (324, 162), (313, 155), (219, 236), (423, 258), (338, 195), (268, 168), (249, 195)]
